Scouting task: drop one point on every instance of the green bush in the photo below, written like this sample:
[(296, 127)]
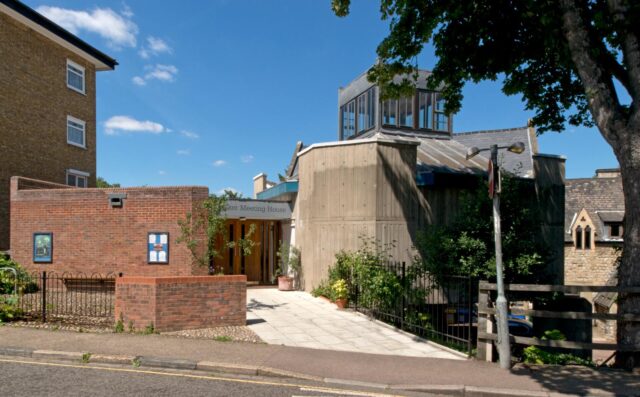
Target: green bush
[(536, 355), (26, 284), (9, 310)]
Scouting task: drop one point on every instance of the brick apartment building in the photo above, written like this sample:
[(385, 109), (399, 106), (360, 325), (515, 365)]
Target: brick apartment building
[(47, 103)]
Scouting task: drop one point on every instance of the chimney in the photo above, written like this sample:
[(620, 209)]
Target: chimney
[(259, 184), (608, 173)]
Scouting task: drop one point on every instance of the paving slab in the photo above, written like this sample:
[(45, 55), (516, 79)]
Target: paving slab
[(295, 318)]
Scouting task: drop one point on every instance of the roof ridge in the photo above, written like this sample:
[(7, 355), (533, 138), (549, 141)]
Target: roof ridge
[(485, 131)]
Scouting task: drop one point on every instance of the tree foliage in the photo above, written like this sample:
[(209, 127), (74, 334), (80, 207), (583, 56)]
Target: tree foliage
[(203, 231), (102, 183), (466, 246)]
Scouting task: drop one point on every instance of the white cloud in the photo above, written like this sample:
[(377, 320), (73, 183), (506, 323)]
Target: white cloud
[(127, 11), (219, 163), (162, 172), (247, 158), (183, 152), (157, 72), (154, 46), (137, 80), (118, 29), (125, 124), (189, 134)]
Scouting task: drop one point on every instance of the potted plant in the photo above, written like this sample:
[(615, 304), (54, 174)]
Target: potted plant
[(340, 293), (288, 266)]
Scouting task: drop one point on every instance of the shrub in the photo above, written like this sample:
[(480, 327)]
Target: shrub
[(536, 355), (25, 283), (9, 309), (339, 289)]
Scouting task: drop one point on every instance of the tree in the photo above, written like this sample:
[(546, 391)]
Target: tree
[(465, 247), (203, 232), (570, 60), (102, 183)]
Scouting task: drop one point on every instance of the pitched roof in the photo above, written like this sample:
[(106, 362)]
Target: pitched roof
[(518, 164), (45, 26), (602, 198)]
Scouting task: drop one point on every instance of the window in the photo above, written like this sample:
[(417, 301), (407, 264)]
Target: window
[(366, 110), (405, 114), (389, 111), (77, 178), (75, 77), (425, 110), (76, 132), (614, 229), (441, 118), (579, 237), (587, 238), (349, 120)]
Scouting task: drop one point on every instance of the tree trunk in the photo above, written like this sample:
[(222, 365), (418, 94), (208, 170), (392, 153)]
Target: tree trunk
[(628, 333)]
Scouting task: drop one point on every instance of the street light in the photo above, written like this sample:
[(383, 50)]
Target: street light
[(504, 350)]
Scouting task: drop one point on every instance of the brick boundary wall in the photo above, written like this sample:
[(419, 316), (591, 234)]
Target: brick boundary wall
[(178, 303)]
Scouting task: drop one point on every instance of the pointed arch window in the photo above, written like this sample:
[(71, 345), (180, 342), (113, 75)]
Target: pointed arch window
[(578, 239), (587, 238)]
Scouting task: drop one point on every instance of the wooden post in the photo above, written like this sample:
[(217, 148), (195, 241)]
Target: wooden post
[(485, 325)]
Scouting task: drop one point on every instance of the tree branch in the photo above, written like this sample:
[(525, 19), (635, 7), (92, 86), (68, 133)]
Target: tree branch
[(631, 51), (601, 94)]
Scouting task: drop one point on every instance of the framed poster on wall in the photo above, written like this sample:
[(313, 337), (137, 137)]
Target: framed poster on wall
[(158, 247), (42, 247)]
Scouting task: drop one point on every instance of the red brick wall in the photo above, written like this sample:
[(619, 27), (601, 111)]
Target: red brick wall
[(177, 303), (91, 237)]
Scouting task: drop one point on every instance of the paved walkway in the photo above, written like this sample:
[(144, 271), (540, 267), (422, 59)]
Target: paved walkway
[(295, 318)]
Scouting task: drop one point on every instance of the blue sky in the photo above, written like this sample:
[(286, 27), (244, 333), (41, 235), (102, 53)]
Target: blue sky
[(214, 92)]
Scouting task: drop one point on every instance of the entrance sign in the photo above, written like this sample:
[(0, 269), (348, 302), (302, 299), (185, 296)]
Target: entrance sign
[(256, 209)]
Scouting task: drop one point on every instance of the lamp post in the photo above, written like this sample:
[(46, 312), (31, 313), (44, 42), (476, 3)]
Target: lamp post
[(504, 348)]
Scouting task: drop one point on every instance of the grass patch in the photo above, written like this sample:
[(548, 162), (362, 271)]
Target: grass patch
[(223, 338)]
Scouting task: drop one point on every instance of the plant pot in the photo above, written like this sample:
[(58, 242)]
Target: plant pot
[(285, 283), (341, 303)]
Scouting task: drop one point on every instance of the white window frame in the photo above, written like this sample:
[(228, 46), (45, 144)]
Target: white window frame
[(77, 174), (83, 91), (84, 131)]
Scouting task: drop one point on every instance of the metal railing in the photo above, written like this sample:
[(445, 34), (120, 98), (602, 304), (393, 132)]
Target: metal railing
[(440, 309), (74, 298)]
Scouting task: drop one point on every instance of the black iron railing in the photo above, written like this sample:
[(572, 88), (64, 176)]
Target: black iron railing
[(437, 308), (74, 298)]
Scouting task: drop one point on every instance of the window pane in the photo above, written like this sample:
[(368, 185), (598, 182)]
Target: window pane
[(389, 112), (441, 118), (406, 112), (348, 120), (71, 180), (75, 78), (579, 237), (82, 181), (75, 133), (371, 107), (362, 112), (425, 110)]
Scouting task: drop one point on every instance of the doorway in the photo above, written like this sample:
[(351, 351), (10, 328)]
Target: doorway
[(260, 265)]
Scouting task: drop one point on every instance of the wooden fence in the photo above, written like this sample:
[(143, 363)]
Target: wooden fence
[(486, 317)]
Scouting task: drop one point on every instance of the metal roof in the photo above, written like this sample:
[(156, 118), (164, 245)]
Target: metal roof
[(517, 164)]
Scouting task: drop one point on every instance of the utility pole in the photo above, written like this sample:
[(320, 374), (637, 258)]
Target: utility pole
[(504, 349)]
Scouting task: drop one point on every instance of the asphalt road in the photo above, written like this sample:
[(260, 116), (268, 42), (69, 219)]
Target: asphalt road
[(27, 377)]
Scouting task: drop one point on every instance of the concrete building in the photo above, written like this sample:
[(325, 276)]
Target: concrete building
[(594, 235), (47, 103), (396, 168)]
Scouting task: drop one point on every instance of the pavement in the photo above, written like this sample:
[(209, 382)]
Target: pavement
[(380, 371), (296, 318)]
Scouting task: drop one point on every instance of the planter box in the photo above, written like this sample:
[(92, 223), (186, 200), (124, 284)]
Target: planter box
[(285, 283)]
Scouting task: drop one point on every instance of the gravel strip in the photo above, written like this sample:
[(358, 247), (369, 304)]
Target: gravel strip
[(54, 326), (224, 334)]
